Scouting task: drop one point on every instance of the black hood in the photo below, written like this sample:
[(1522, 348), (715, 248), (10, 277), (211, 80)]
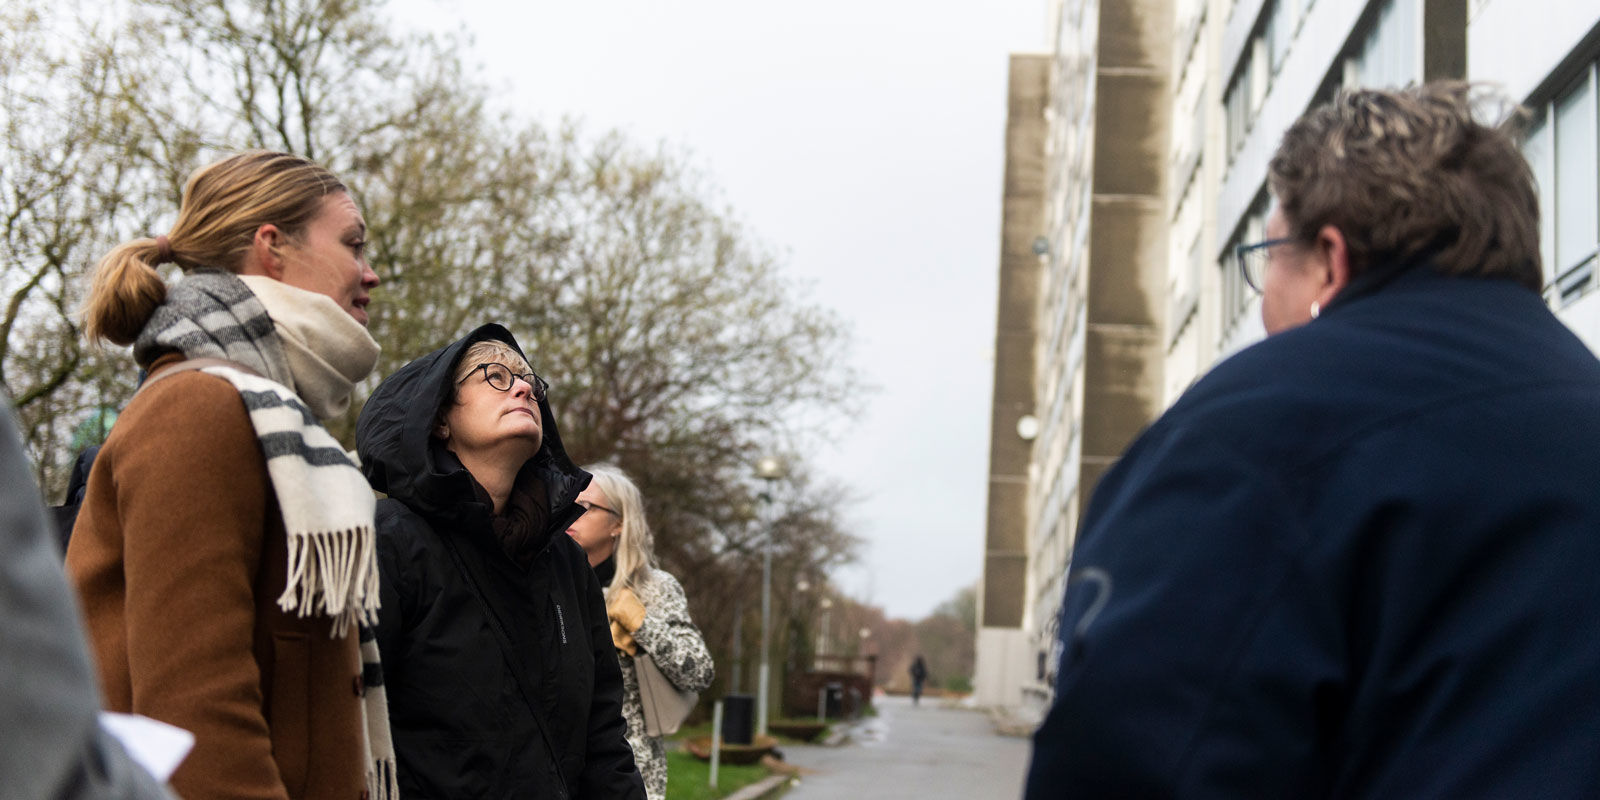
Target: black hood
[(394, 437)]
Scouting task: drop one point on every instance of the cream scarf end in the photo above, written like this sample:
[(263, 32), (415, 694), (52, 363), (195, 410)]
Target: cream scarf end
[(327, 350)]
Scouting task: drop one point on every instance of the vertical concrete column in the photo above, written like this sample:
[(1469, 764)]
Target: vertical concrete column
[(1124, 354), (1003, 588), (1444, 40)]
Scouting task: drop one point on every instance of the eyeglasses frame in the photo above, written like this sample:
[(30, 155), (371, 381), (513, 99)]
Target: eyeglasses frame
[(588, 506), (1242, 253), (540, 386)]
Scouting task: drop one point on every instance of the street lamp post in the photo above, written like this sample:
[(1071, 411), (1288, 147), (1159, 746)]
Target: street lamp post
[(769, 469), (823, 629)]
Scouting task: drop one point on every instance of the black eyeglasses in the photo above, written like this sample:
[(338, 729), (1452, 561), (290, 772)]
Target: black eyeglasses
[(588, 506), (1252, 260), (502, 378)]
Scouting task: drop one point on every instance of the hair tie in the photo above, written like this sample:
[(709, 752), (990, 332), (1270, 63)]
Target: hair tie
[(163, 250)]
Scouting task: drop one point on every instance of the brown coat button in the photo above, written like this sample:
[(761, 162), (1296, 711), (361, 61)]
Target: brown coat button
[(360, 690)]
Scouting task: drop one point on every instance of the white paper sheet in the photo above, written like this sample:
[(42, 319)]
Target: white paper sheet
[(154, 745)]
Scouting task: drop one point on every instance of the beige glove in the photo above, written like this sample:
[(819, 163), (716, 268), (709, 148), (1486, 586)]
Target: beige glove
[(626, 614)]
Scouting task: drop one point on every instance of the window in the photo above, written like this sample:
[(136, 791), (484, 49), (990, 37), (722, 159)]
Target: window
[(1563, 149), (1537, 150), (1281, 24), (1185, 293), (1263, 54), (1390, 55), (1246, 93), (1188, 151), (1577, 175), (1237, 107), (1260, 75)]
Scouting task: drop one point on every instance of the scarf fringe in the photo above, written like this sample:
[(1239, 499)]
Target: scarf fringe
[(334, 573), (382, 782), (382, 779)]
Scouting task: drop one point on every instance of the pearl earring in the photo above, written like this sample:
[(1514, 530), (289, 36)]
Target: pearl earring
[(1316, 309)]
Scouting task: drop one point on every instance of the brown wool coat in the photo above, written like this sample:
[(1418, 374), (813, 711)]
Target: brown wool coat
[(178, 557)]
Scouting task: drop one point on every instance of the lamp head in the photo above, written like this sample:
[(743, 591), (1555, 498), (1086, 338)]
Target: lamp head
[(771, 468)]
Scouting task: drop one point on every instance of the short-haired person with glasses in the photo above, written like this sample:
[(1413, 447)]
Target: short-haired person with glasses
[(1356, 559), (500, 673)]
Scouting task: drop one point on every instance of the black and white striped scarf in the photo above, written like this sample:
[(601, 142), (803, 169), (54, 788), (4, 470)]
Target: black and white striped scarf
[(326, 502)]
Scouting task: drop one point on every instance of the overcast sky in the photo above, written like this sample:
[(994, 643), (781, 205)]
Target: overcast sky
[(863, 140)]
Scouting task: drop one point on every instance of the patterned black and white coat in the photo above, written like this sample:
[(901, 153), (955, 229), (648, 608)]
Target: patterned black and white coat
[(679, 651)]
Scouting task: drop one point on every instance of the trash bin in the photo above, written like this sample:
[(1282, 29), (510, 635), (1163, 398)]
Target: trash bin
[(738, 718), (835, 702)]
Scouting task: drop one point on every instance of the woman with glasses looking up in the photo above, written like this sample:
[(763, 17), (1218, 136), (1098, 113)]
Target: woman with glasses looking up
[(501, 680), (649, 613)]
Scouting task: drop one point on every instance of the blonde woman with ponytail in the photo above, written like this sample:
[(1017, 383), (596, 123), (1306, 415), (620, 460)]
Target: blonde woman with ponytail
[(648, 610), (224, 553)]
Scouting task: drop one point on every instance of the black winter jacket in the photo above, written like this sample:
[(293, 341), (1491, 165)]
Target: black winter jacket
[(490, 666), (1355, 560)]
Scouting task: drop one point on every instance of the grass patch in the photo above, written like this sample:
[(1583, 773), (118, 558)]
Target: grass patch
[(704, 730), (687, 777)]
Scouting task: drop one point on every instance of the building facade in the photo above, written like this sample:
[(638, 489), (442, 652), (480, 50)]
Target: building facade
[(1161, 118)]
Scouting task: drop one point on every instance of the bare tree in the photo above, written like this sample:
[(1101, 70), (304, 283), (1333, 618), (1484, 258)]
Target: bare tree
[(674, 343), (70, 185)]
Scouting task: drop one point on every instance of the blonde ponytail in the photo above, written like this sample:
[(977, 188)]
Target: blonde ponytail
[(125, 291), (223, 205)]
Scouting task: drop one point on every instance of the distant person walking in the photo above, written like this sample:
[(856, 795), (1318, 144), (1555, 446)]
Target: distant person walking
[(919, 675), (1358, 558), (648, 612), (224, 549), (497, 654)]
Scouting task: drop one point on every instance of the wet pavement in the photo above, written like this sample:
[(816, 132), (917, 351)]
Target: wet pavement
[(927, 751)]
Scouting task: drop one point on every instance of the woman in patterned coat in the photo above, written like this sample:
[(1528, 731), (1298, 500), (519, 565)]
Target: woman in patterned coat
[(647, 608)]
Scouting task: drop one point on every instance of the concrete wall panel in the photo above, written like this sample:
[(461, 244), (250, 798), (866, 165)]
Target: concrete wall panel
[(1004, 577), (1128, 273), (1130, 155), (1122, 386), (1007, 522)]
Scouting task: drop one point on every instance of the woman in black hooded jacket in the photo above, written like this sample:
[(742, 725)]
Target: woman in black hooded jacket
[(497, 656)]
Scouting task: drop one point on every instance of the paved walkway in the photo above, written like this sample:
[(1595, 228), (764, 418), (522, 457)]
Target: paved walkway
[(929, 751)]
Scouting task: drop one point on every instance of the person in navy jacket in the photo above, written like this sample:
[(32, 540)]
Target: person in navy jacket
[(1359, 558)]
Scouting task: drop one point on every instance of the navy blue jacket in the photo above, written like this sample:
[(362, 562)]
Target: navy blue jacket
[(1359, 559)]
